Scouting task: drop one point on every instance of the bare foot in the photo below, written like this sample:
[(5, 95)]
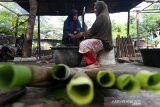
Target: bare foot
[(92, 66)]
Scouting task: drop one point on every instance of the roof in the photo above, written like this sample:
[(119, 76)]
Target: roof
[(62, 7)]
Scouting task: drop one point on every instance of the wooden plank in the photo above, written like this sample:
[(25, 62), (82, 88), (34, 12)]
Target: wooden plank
[(118, 46), (132, 48)]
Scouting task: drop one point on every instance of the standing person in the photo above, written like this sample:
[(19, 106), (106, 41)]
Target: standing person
[(71, 29), (98, 37)]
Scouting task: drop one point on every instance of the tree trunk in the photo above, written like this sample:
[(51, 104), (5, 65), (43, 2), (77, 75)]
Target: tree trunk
[(27, 46)]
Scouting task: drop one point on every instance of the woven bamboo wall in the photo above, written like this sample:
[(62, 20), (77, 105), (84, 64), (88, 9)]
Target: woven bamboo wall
[(125, 47)]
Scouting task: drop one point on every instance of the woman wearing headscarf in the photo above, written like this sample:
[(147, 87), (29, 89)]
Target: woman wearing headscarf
[(98, 37), (71, 28)]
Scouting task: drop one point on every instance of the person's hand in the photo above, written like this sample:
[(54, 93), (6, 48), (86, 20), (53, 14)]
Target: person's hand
[(72, 36), (84, 34), (79, 35)]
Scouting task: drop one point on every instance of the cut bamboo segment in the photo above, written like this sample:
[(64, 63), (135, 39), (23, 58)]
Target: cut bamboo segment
[(80, 89), (39, 74), (128, 83), (14, 75), (60, 72), (149, 80), (106, 78)]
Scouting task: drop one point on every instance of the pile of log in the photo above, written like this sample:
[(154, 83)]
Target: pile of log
[(125, 47)]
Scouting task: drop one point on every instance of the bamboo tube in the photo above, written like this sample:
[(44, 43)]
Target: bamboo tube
[(128, 83), (149, 80), (39, 74), (12, 75), (60, 71), (105, 78), (80, 89)]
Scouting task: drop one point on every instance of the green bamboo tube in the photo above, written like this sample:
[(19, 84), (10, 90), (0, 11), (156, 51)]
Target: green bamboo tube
[(149, 80), (14, 75), (128, 83), (80, 89), (106, 78), (60, 72)]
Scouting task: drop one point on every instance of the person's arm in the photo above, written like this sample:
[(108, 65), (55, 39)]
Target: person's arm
[(66, 30), (81, 31)]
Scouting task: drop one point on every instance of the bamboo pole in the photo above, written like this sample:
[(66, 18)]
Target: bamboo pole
[(39, 74), (12, 75)]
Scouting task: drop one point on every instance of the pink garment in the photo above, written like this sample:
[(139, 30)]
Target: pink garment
[(87, 45)]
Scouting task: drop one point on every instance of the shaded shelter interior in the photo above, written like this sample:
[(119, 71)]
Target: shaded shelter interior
[(61, 7)]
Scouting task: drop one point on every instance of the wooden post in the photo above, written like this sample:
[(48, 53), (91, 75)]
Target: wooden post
[(83, 13), (128, 23), (39, 38), (138, 34), (27, 46)]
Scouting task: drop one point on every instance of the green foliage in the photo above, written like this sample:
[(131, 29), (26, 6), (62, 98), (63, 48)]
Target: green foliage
[(118, 29), (155, 6), (8, 22), (3, 16), (133, 26), (148, 22), (6, 31), (151, 21)]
